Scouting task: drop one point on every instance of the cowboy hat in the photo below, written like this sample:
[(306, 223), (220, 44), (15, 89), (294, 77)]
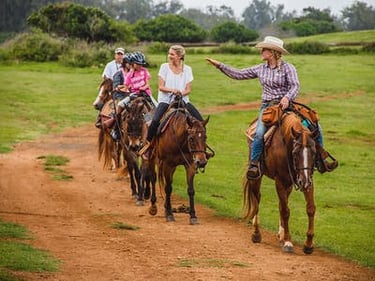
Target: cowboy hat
[(273, 43)]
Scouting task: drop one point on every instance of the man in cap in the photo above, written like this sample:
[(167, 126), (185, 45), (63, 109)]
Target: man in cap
[(115, 65)]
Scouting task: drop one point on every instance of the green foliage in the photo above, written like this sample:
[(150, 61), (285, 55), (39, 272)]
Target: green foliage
[(232, 48), (231, 31), (307, 47), (158, 47), (169, 28), (359, 16), (77, 21), (36, 46), (308, 27)]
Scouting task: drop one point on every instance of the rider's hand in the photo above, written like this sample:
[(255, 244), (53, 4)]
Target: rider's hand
[(284, 103), (213, 62)]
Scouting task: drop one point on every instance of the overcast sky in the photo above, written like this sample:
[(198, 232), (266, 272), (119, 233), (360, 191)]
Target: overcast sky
[(239, 6)]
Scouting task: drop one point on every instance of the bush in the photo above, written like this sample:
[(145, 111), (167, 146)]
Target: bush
[(36, 46), (307, 47), (232, 48)]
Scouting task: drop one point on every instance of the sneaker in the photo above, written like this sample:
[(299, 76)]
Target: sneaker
[(98, 124)]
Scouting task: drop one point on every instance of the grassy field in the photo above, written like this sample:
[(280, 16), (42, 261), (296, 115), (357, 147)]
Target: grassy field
[(37, 99)]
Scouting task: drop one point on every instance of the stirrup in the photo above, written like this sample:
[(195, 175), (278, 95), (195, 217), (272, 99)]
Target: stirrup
[(253, 172), (144, 148), (324, 166)]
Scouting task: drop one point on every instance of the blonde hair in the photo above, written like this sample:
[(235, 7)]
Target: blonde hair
[(277, 55), (180, 51)]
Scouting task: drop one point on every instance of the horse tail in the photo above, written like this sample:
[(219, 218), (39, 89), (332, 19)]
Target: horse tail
[(100, 144), (105, 148), (251, 197)]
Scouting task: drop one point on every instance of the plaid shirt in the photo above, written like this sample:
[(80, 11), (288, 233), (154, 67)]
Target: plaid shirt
[(276, 83)]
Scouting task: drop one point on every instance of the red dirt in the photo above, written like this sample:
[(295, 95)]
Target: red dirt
[(72, 220)]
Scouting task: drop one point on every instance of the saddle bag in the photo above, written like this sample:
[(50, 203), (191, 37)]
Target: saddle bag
[(308, 113), (271, 115)]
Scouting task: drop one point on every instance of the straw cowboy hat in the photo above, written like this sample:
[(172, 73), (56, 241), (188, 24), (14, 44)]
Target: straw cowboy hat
[(272, 43)]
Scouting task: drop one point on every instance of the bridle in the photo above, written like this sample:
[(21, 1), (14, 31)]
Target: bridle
[(306, 164)]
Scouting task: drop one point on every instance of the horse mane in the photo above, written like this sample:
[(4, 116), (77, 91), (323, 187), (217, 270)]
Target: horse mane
[(291, 126)]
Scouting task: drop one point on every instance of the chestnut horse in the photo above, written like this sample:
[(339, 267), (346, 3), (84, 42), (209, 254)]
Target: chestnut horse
[(108, 149), (181, 142), (289, 161)]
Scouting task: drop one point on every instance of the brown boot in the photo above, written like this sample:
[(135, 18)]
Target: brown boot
[(253, 171), (323, 165)]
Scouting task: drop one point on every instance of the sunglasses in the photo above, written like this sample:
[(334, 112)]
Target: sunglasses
[(120, 54)]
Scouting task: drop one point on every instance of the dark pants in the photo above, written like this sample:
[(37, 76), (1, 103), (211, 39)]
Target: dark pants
[(159, 112)]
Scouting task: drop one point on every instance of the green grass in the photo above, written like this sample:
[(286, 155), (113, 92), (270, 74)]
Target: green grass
[(338, 37), (37, 99), (19, 256), (52, 164)]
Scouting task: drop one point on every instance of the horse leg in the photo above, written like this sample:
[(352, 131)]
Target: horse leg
[(308, 247), (168, 176), (283, 192), (190, 173), (256, 237), (153, 210), (140, 200)]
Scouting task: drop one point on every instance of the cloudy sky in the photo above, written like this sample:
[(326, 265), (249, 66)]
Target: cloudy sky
[(289, 5)]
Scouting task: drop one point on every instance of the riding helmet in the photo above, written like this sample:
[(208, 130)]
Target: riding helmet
[(139, 58)]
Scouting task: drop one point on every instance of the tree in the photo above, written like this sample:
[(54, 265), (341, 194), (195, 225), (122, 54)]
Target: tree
[(134, 10), (359, 16), (258, 14), (231, 31), (166, 7), (77, 21), (313, 21), (169, 28), (212, 17)]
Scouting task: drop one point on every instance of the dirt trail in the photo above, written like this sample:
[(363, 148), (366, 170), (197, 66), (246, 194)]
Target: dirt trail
[(73, 221)]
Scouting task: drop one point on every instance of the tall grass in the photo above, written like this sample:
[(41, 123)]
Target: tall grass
[(36, 99)]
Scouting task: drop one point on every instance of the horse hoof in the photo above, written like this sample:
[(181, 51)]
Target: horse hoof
[(170, 218), (134, 196), (256, 238), (194, 221), (139, 203), (308, 250), (153, 210), (288, 247)]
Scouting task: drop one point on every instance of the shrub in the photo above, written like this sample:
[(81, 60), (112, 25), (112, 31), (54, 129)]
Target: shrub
[(36, 46), (232, 48), (307, 47)]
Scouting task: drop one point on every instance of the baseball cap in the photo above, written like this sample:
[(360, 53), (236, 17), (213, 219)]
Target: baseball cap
[(120, 50)]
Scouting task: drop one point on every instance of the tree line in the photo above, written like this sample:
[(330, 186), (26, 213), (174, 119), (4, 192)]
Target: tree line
[(170, 21)]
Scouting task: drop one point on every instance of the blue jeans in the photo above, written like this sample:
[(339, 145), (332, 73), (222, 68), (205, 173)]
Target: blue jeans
[(258, 143)]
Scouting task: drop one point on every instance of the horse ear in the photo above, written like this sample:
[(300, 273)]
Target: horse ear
[(189, 121), (206, 121)]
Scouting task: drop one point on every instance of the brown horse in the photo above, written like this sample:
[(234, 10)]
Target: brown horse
[(289, 160), (135, 129), (182, 142), (104, 95), (108, 149)]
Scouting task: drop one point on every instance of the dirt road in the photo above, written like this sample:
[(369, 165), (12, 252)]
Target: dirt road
[(73, 219)]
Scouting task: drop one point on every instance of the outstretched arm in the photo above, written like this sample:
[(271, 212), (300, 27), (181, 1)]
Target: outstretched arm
[(213, 62)]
